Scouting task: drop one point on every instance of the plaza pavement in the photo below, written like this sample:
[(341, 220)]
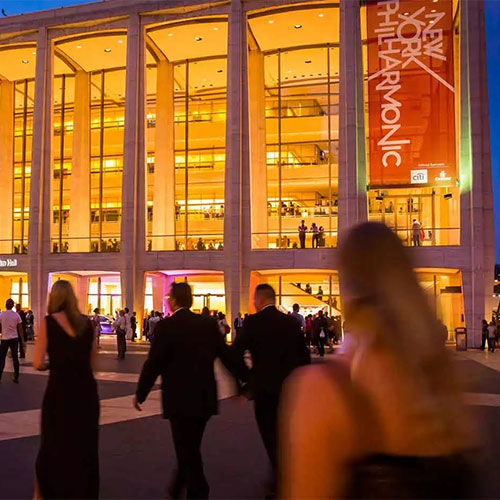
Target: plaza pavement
[(136, 453)]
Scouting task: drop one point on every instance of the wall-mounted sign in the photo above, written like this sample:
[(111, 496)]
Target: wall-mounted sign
[(411, 94), (8, 262)]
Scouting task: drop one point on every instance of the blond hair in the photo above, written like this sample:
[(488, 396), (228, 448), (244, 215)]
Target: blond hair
[(383, 296), (62, 298)]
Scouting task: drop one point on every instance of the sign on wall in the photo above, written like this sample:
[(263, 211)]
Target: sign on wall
[(411, 94)]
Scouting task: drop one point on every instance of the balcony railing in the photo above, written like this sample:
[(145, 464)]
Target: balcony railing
[(193, 241), (107, 244), (290, 240)]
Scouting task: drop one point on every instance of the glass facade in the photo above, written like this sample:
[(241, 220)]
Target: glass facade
[(294, 104), (186, 130), (89, 110)]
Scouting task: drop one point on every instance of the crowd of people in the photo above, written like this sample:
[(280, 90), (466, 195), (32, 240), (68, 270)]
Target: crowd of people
[(383, 419)]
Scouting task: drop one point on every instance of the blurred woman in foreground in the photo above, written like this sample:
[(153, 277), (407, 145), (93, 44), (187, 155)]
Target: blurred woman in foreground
[(67, 465), (386, 421)]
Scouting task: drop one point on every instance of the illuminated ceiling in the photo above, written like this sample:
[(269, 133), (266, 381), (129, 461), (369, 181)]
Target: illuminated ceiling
[(293, 28), (18, 62)]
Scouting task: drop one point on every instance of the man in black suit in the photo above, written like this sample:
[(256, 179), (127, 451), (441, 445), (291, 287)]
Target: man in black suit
[(277, 346), (183, 352)]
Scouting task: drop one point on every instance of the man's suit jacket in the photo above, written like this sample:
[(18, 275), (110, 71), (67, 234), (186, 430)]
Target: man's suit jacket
[(183, 352), (277, 346)]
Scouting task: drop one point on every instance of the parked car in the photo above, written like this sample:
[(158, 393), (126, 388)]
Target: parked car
[(106, 324)]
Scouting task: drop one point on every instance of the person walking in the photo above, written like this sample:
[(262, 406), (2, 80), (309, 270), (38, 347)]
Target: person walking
[(120, 327), (96, 323), (302, 234), (224, 328), (238, 324), (133, 325), (309, 329), (128, 324), (153, 321), (183, 353), (67, 465), (390, 422), (484, 334), (30, 325), (22, 334), (320, 327), (296, 314), (277, 347), (11, 325), (492, 336)]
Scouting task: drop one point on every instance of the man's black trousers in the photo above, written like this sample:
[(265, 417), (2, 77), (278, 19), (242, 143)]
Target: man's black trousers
[(266, 414), (187, 433)]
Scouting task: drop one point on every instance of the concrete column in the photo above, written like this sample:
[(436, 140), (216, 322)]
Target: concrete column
[(258, 166), (133, 191), (164, 178), (352, 162), (82, 291), (40, 216), (79, 219), (476, 190), (6, 163), (158, 291), (237, 174)]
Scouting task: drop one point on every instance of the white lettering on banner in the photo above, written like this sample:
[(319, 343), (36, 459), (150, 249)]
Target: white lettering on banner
[(403, 39), (8, 262), (418, 176)]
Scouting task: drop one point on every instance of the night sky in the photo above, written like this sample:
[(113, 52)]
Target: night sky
[(493, 40)]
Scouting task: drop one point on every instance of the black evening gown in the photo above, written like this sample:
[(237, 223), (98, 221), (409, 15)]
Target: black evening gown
[(68, 463)]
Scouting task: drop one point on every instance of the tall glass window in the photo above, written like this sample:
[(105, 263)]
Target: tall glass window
[(186, 129), (89, 111), (294, 106), (17, 94)]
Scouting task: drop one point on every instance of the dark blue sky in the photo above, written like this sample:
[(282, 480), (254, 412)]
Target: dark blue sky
[(493, 41)]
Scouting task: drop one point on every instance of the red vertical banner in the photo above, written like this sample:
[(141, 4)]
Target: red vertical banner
[(411, 93)]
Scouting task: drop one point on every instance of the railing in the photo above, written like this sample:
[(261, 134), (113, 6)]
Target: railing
[(13, 246), (439, 236), (107, 244), (193, 241), (290, 240)]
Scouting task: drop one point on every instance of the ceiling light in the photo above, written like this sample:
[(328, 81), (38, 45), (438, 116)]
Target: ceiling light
[(406, 13), (198, 39), (308, 62), (25, 61), (78, 46), (170, 34), (431, 21), (107, 50), (321, 15), (120, 41), (34, 52), (433, 10), (271, 21), (289, 71), (216, 28), (298, 26)]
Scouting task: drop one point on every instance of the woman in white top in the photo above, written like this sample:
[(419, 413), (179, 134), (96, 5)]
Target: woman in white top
[(11, 333)]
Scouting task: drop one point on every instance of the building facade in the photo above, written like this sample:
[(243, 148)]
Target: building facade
[(144, 142)]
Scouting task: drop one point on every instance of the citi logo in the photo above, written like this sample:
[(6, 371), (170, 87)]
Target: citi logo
[(418, 176)]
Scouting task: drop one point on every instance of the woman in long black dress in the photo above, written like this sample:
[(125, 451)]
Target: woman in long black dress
[(68, 463)]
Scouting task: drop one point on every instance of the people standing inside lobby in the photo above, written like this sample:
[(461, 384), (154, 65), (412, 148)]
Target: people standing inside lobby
[(277, 346), (183, 352), (22, 336), (302, 234), (120, 327), (11, 329), (416, 231), (315, 235), (238, 324), (67, 465)]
